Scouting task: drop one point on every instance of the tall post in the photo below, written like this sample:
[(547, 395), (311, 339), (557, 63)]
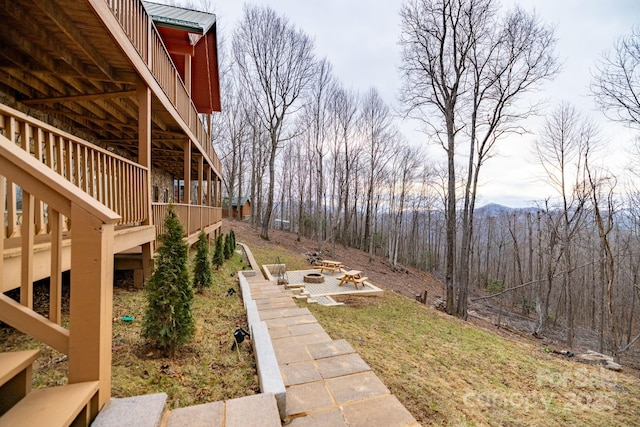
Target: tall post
[(200, 187), (143, 93), (187, 184), (200, 175), (91, 302), (187, 172), (209, 201), (215, 191), (187, 73)]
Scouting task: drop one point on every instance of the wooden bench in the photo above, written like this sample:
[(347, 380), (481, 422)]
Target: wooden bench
[(67, 405), (324, 267), (15, 377), (360, 281), (352, 276), (330, 265)]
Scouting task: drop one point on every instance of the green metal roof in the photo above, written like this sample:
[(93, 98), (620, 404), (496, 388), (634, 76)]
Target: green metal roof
[(178, 17), (234, 201)]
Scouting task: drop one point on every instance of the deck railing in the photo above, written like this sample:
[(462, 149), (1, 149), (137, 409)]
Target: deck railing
[(145, 37), (193, 218), (114, 181), (87, 341)]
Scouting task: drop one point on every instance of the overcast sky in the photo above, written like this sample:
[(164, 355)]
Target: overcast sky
[(359, 37)]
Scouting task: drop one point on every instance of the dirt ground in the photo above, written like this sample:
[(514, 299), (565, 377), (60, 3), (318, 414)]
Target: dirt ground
[(411, 282)]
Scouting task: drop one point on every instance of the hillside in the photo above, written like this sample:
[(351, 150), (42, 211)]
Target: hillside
[(450, 372)]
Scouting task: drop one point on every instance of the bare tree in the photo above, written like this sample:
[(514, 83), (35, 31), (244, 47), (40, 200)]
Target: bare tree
[(403, 171), (317, 114), (231, 143), (566, 139), (616, 82), (378, 133), (276, 65), (469, 64), (346, 109), (513, 61), (602, 188)]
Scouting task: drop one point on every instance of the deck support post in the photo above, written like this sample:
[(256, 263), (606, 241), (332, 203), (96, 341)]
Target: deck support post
[(144, 159), (91, 302)]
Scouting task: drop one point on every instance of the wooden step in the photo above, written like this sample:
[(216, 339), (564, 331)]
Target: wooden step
[(71, 404), (15, 377)]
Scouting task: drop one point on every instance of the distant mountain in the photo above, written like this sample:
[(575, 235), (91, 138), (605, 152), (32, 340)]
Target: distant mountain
[(495, 209)]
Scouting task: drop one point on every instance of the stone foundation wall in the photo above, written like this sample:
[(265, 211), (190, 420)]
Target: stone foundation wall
[(161, 187)]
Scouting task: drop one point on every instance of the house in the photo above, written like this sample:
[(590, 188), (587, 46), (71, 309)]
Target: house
[(105, 107), (240, 209)]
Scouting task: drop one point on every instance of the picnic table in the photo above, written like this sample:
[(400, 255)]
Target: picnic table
[(352, 276), (330, 265)]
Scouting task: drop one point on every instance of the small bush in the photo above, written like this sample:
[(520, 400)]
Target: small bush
[(168, 321), (202, 269), (218, 254), (228, 249), (495, 286)]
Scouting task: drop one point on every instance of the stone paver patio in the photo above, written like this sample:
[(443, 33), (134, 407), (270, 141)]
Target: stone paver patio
[(327, 382), (321, 292)]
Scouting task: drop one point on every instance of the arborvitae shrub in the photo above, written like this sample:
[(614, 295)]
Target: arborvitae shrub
[(228, 250), (202, 269), (168, 321), (218, 254)]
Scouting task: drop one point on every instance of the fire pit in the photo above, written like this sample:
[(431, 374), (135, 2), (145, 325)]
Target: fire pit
[(313, 278)]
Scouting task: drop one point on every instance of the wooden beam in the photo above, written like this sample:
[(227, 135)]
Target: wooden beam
[(95, 120), (84, 97), (33, 324), (25, 24), (119, 76), (57, 15)]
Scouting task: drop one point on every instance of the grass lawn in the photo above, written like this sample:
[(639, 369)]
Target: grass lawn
[(204, 370), (448, 372)]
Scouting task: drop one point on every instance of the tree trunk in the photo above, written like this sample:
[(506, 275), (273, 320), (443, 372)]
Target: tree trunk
[(264, 234)]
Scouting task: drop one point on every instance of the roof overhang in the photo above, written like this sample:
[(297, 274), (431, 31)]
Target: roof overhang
[(192, 33), (192, 21)]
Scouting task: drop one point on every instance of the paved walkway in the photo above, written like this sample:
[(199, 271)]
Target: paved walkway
[(327, 382)]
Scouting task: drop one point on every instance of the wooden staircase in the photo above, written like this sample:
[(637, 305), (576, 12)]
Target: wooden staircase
[(87, 340), (68, 405)]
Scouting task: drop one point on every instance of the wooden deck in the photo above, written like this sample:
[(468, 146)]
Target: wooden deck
[(94, 116)]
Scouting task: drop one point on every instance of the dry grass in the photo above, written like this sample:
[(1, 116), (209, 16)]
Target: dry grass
[(204, 370), (448, 372)]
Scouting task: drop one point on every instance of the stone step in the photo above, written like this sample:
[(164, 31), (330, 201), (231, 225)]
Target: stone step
[(249, 411), (327, 301), (137, 411)]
